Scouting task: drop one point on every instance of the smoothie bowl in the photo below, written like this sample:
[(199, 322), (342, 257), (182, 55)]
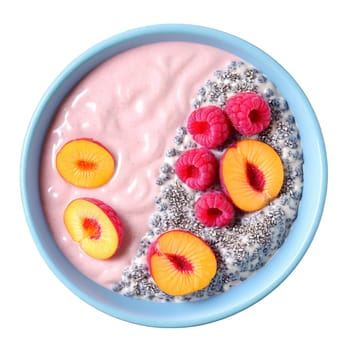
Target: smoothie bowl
[(173, 175)]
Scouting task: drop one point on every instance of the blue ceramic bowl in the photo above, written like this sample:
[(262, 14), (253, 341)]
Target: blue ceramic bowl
[(217, 307)]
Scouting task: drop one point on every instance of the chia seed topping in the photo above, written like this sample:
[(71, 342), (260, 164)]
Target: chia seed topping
[(246, 245)]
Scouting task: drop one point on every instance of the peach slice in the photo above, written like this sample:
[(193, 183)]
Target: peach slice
[(95, 226), (181, 263), (251, 174), (85, 163)]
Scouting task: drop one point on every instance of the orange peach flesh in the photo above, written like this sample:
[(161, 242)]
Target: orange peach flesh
[(252, 174), (85, 163), (181, 263), (92, 228)]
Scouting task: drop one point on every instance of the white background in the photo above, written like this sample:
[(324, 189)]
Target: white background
[(311, 308)]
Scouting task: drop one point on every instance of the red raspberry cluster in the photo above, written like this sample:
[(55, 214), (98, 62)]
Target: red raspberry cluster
[(247, 112), (198, 169), (210, 127)]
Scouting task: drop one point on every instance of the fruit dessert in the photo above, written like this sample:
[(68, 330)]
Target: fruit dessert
[(166, 179)]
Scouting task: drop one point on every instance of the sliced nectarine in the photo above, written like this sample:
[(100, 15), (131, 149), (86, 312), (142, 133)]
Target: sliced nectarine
[(95, 226), (251, 174), (181, 263), (85, 163)]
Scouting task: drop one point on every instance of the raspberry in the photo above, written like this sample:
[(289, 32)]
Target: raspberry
[(209, 126), (249, 113), (197, 168), (213, 209)]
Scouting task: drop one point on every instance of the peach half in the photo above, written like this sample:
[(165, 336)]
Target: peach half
[(95, 226), (181, 263), (251, 173), (85, 163)]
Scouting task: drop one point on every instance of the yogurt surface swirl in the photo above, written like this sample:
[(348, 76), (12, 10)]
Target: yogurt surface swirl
[(132, 104)]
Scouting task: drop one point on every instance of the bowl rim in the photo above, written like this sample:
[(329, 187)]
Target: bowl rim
[(250, 291)]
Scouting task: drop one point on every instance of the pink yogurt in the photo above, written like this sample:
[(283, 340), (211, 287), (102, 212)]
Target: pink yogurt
[(132, 104)]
